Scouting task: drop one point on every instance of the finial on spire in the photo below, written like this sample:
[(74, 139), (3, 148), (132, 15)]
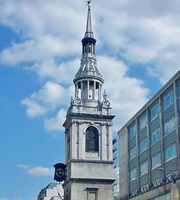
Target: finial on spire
[(89, 32), (88, 3)]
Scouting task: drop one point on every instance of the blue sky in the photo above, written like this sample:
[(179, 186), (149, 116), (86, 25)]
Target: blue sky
[(138, 49)]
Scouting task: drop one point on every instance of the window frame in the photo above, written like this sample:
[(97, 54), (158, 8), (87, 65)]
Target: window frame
[(154, 111), (167, 129), (178, 89), (131, 157), (92, 191), (145, 171), (132, 131), (145, 139), (154, 133), (155, 157), (168, 148), (142, 122), (130, 174), (92, 139), (168, 100)]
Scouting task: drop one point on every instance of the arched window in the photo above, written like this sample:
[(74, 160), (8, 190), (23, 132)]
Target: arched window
[(92, 139)]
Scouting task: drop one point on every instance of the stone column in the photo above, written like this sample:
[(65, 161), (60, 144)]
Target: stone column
[(81, 89), (99, 92), (94, 90), (103, 142), (88, 89), (73, 140)]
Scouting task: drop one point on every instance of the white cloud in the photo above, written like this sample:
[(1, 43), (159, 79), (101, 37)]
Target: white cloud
[(25, 167), (46, 101), (122, 90), (37, 171), (55, 124), (45, 34), (48, 98), (141, 34), (61, 73), (17, 14), (33, 108), (41, 171), (46, 46), (51, 93)]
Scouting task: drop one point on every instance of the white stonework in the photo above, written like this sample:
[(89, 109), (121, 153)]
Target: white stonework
[(54, 191), (88, 131)]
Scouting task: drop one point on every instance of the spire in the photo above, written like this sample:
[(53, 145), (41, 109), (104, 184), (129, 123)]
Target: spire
[(89, 32), (88, 68), (88, 81)]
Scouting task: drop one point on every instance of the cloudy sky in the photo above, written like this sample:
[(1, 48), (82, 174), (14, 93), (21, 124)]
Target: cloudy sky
[(138, 50)]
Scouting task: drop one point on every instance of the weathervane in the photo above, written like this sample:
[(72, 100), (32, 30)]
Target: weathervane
[(88, 3)]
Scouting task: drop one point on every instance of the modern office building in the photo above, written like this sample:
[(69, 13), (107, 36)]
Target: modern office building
[(150, 148)]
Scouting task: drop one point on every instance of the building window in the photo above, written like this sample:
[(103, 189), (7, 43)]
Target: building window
[(143, 145), (144, 168), (170, 152), (178, 89), (92, 193), (92, 139), (132, 131), (68, 148), (155, 136), (168, 100), (156, 160), (89, 49), (169, 125), (133, 153), (142, 122), (133, 174), (154, 112)]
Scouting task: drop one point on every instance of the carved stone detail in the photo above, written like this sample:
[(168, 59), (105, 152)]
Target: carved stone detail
[(105, 102)]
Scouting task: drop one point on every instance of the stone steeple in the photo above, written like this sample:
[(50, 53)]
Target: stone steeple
[(88, 131)]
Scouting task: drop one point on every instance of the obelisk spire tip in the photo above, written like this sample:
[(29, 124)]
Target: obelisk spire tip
[(89, 32)]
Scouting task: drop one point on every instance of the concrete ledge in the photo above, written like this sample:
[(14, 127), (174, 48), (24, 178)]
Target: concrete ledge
[(91, 161), (93, 181)]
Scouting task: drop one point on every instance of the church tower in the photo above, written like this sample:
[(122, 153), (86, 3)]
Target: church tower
[(88, 131)]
